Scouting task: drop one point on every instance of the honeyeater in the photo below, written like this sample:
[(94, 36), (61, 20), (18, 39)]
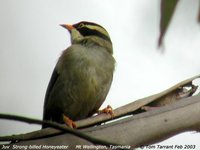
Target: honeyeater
[(82, 76)]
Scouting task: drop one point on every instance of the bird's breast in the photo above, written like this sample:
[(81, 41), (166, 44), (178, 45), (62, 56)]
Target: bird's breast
[(87, 75)]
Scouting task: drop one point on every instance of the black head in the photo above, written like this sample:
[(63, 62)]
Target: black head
[(92, 29)]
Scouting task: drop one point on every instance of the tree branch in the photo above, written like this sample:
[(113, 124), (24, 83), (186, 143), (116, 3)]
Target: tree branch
[(141, 129), (149, 127), (130, 108)]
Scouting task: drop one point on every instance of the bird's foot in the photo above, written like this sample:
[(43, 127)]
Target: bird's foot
[(107, 110), (69, 122)]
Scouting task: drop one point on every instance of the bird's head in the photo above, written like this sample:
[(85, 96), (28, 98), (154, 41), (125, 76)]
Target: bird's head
[(90, 30)]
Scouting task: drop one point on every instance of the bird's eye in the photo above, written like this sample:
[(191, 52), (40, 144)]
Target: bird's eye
[(81, 25)]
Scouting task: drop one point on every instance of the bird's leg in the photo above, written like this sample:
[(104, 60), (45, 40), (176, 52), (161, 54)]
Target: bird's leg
[(69, 122), (107, 110)]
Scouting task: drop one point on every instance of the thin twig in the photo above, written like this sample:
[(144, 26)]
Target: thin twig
[(57, 126)]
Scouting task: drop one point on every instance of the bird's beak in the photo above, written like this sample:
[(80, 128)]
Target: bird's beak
[(67, 26)]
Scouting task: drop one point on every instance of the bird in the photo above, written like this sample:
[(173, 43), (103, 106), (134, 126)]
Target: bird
[(82, 76)]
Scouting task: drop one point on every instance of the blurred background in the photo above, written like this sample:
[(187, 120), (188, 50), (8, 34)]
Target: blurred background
[(31, 41)]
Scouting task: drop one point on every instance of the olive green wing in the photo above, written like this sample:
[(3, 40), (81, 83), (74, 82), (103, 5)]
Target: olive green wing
[(52, 82)]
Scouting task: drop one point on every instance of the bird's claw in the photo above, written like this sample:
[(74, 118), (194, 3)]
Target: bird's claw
[(107, 110), (69, 122)]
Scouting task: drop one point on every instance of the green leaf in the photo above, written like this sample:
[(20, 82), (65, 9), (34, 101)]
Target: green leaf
[(167, 11)]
